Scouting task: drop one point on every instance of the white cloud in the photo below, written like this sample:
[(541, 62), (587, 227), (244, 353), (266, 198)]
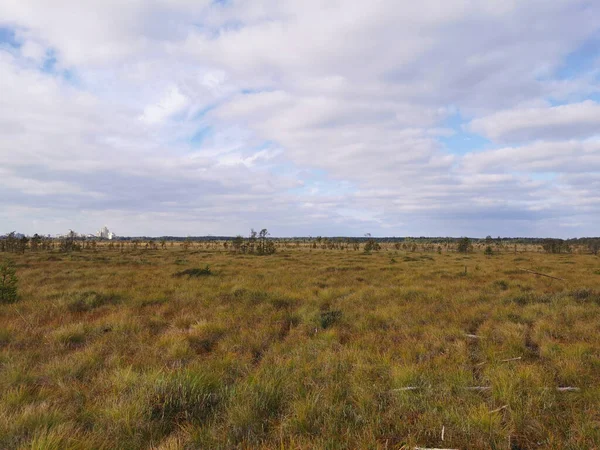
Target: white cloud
[(223, 115), (173, 102), (542, 156), (577, 120), (34, 51)]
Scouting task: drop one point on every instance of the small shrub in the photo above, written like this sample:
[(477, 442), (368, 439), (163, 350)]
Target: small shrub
[(372, 245), (196, 272), (464, 245), (501, 284), (528, 298), (329, 318), (8, 282), (523, 299), (488, 251), (152, 301), (283, 303), (586, 295)]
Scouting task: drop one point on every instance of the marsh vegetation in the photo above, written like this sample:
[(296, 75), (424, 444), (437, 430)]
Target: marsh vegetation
[(311, 346)]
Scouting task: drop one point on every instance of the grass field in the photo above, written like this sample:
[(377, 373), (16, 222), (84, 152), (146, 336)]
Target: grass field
[(303, 349)]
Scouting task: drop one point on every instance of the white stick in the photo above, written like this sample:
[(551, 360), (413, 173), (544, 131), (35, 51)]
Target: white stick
[(425, 448), (443, 429), (567, 389), (511, 359), (478, 388), (407, 388), (498, 409)]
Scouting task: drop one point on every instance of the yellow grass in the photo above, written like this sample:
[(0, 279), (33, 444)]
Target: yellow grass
[(307, 348)]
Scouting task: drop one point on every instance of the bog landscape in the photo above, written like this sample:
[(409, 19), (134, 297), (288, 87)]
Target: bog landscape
[(300, 343), (424, 182)]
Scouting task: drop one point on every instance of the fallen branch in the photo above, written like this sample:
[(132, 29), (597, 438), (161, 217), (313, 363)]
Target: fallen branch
[(498, 409), (484, 388), (542, 274), (511, 359), (425, 448), (472, 336)]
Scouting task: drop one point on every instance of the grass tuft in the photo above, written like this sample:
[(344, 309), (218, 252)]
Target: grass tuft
[(195, 272), (89, 300), (185, 396)]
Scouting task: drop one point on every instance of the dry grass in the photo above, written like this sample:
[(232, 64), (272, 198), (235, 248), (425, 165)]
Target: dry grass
[(302, 349)]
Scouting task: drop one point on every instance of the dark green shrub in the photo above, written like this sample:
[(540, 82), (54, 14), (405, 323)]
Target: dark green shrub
[(464, 245), (196, 272), (328, 318), (501, 284), (555, 246), (8, 282), (372, 245), (586, 295)]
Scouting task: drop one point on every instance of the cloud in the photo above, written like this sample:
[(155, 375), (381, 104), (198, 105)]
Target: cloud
[(188, 117), (172, 103), (563, 157), (577, 120)]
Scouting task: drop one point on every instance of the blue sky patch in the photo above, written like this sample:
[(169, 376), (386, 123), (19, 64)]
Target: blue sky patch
[(8, 38), (462, 141)]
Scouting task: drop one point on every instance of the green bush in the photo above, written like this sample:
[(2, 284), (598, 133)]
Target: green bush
[(464, 245), (372, 245), (328, 318), (8, 282), (196, 272)]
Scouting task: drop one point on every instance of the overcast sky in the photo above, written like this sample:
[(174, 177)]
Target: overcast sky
[(394, 117)]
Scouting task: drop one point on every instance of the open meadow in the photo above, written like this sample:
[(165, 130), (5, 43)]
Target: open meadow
[(307, 348)]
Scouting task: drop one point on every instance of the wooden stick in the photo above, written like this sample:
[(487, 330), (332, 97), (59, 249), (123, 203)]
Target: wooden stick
[(425, 448), (542, 274), (443, 429), (478, 388), (498, 409), (472, 336), (511, 359), (567, 389), (407, 388)]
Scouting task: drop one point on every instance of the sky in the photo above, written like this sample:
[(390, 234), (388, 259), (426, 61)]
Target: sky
[(333, 118)]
